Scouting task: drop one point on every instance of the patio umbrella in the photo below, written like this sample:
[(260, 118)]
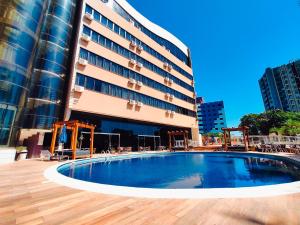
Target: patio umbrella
[(63, 135)]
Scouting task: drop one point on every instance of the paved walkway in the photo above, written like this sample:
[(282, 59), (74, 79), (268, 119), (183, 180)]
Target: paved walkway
[(26, 197)]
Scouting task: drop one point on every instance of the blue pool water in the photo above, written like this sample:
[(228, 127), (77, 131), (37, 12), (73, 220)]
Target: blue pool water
[(186, 170)]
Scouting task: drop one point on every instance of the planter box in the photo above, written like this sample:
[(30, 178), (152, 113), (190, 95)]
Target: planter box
[(22, 155), (7, 155)]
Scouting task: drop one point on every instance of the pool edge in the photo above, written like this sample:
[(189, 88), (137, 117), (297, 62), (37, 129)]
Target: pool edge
[(53, 175)]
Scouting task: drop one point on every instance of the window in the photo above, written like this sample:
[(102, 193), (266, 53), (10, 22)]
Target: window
[(129, 37), (90, 83), (95, 37), (106, 64), (86, 30), (104, 20), (96, 15), (110, 24), (80, 80), (125, 72), (116, 29), (130, 55), (113, 90), (122, 32), (88, 9)]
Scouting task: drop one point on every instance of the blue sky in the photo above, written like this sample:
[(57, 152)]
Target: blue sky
[(232, 43)]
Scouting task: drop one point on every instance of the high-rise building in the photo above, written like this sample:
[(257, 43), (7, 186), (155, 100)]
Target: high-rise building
[(280, 87), (35, 42), (20, 28), (98, 61), (211, 116)]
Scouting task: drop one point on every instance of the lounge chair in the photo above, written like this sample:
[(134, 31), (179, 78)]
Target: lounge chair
[(45, 155), (293, 149), (161, 148), (120, 149), (58, 155), (128, 149)]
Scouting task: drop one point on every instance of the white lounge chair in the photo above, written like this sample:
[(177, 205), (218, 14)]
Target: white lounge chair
[(45, 155)]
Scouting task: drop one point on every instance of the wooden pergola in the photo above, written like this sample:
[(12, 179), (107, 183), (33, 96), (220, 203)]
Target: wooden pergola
[(73, 126), (227, 136), (173, 134)]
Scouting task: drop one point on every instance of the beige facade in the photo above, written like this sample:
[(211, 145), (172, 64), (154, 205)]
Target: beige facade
[(81, 99)]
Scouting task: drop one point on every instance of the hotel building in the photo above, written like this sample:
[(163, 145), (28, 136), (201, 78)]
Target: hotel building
[(280, 87), (98, 61), (211, 116)]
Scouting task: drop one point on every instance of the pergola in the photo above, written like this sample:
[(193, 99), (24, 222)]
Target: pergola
[(109, 135), (154, 137), (227, 136), (173, 134), (73, 126)]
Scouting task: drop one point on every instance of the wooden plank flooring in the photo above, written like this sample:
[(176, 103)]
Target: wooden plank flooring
[(26, 197)]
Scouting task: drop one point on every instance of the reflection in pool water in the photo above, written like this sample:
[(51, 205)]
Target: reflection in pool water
[(186, 170)]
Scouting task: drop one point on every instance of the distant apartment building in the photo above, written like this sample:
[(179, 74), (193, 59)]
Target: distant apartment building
[(280, 87), (211, 116), (97, 61)]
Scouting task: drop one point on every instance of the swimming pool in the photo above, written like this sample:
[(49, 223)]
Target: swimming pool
[(182, 175)]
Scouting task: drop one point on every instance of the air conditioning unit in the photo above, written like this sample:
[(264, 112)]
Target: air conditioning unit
[(167, 79), (171, 81), (170, 67), (78, 88), (169, 111), (132, 81), (133, 44), (82, 62), (139, 65), (173, 113), (172, 96), (139, 83), (140, 104), (85, 37), (166, 64), (132, 102), (140, 48), (168, 95), (88, 16), (132, 62)]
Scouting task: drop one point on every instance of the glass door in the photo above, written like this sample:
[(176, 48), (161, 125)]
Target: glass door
[(7, 116)]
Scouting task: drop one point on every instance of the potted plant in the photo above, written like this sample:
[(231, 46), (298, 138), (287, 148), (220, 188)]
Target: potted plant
[(21, 153)]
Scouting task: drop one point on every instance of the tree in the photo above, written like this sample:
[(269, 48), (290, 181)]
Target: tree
[(285, 123), (290, 128), (251, 121)]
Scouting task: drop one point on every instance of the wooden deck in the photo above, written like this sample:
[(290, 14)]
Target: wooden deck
[(26, 197)]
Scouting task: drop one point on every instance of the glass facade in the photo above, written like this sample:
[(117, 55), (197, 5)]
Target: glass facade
[(19, 31), (128, 130), (51, 65), (211, 116), (280, 87)]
